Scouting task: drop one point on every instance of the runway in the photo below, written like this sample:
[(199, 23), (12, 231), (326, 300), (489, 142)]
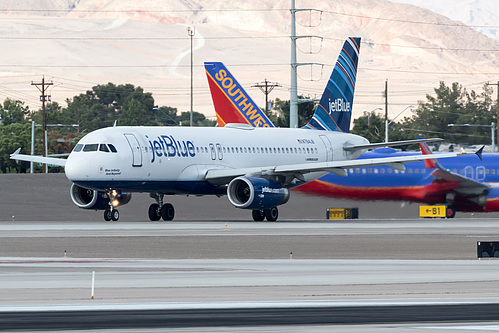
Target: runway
[(211, 269)]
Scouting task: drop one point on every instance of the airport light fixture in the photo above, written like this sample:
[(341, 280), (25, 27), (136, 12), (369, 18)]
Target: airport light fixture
[(388, 123), (492, 131)]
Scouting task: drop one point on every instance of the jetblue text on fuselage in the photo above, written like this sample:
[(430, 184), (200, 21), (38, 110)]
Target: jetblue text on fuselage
[(339, 105), (168, 146)]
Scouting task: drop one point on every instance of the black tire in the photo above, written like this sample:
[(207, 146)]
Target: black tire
[(272, 214), (167, 212), (258, 215), (115, 215), (108, 215), (450, 211), (154, 213)]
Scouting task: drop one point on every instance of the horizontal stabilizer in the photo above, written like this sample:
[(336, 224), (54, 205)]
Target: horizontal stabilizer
[(390, 144), (38, 159)]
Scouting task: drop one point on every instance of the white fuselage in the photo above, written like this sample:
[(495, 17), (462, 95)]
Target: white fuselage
[(173, 160)]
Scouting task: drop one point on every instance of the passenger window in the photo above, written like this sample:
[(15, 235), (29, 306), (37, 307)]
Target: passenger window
[(103, 148), (112, 148), (78, 147), (91, 147)]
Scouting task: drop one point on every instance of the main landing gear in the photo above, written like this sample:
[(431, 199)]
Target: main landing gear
[(159, 210), (270, 214)]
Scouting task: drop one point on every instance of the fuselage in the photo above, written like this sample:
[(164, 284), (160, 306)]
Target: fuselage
[(416, 183), (174, 160)]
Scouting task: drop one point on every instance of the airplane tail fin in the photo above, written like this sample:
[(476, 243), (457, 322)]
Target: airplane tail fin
[(335, 108), (232, 103), (425, 150)]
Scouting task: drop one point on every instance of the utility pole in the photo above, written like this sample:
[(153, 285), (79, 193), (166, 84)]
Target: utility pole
[(386, 110), (293, 98), (497, 85), (266, 87), (43, 98), (191, 32)]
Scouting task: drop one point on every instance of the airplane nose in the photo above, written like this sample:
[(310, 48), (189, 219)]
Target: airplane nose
[(77, 167)]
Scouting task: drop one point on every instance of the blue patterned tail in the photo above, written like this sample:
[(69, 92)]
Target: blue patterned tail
[(335, 108)]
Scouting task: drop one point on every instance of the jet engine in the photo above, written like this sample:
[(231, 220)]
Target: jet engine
[(92, 199), (256, 193)]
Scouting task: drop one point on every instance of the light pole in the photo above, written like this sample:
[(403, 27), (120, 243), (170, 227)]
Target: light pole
[(191, 32), (388, 123), (492, 131)]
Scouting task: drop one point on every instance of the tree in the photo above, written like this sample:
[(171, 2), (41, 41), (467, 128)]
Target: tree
[(280, 117), (370, 125), (453, 105), (13, 111), (12, 137)]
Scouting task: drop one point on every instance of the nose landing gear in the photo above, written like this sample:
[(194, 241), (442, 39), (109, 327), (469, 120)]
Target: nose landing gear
[(112, 213), (159, 210)]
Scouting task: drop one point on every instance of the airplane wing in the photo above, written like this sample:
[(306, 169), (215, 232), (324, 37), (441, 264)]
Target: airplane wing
[(38, 159), (464, 185), (220, 176), (458, 183), (391, 144)]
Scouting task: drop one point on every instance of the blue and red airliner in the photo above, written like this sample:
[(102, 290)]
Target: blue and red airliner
[(464, 183)]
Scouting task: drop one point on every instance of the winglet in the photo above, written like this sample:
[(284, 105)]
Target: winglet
[(16, 152), (479, 153)]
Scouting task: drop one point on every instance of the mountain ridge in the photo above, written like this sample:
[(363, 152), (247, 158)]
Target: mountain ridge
[(98, 41)]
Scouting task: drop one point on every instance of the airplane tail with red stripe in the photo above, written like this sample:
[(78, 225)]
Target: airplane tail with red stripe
[(232, 103), (334, 111)]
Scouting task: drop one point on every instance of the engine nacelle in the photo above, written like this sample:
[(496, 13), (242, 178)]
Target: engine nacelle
[(92, 199), (256, 193)]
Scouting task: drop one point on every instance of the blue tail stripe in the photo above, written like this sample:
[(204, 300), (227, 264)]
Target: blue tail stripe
[(347, 66), (335, 107)]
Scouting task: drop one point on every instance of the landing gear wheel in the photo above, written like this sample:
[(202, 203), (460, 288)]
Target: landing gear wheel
[(271, 214), (258, 215), (108, 215), (450, 212), (154, 213), (115, 215), (167, 212)]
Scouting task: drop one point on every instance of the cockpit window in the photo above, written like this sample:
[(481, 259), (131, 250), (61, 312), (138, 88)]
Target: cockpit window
[(113, 149), (91, 147), (103, 148), (78, 147)]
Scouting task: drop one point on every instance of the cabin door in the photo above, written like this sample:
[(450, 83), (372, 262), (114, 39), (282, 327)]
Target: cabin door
[(136, 151)]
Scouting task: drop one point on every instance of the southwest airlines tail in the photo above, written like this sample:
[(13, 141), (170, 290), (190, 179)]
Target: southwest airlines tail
[(335, 108), (232, 103)]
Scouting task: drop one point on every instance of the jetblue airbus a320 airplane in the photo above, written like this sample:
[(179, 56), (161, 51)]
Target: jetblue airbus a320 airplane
[(255, 167)]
